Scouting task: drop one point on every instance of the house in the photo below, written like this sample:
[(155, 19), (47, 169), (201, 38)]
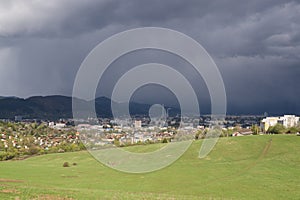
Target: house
[(242, 132), (267, 122)]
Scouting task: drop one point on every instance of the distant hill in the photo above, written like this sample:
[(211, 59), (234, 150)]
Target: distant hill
[(56, 107)]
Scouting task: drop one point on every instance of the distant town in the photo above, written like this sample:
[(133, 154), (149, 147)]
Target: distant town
[(25, 137)]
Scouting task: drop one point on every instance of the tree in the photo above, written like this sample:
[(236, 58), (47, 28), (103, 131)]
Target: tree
[(165, 140), (198, 134), (33, 150), (293, 130), (277, 129), (117, 142), (255, 129)]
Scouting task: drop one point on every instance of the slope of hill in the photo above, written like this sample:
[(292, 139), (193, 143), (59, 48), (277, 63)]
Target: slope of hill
[(250, 167)]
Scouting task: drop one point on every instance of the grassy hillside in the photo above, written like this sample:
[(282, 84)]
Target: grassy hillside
[(252, 167)]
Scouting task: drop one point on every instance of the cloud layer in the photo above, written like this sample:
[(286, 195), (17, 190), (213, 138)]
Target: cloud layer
[(256, 44)]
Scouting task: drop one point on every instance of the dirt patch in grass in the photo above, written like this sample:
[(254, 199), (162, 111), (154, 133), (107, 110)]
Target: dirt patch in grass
[(10, 180), (9, 191), (51, 197), (69, 176)]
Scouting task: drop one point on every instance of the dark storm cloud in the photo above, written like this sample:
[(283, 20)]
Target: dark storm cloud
[(256, 44)]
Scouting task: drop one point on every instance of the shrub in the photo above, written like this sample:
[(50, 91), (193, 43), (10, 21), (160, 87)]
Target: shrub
[(277, 129), (165, 140), (66, 164), (33, 150), (292, 130), (6, 155)]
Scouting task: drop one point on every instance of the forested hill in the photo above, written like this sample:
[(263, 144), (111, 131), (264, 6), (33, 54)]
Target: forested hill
[(56, 107)]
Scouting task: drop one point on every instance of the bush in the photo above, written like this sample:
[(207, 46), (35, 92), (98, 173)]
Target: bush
[(7, 155), (277, 129), (66, 164), (165, 140), (33, 150), (293, 130), (197, 135), (74, 164)]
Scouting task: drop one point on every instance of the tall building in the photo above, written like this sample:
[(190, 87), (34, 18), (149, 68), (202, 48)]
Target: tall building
[(286, 120), (137, 124)]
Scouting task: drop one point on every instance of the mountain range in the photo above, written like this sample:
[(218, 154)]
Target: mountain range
[(57, 107)]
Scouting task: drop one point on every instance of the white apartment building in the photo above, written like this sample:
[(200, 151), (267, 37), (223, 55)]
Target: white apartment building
[(137, 124), (286, 120)]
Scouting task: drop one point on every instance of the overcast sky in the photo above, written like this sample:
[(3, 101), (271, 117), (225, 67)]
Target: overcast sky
[(255, 44)]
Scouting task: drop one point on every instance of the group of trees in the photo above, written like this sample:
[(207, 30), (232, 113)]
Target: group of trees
[(280, 129), (201, 134)]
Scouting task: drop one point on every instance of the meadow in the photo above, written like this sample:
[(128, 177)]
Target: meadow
[(249, 167)]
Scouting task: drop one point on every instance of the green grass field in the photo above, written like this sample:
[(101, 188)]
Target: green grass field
[(251, 167)]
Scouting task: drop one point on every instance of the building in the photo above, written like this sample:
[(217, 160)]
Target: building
[(267, 122), (286, 120), (18, 118), (137, 124)]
